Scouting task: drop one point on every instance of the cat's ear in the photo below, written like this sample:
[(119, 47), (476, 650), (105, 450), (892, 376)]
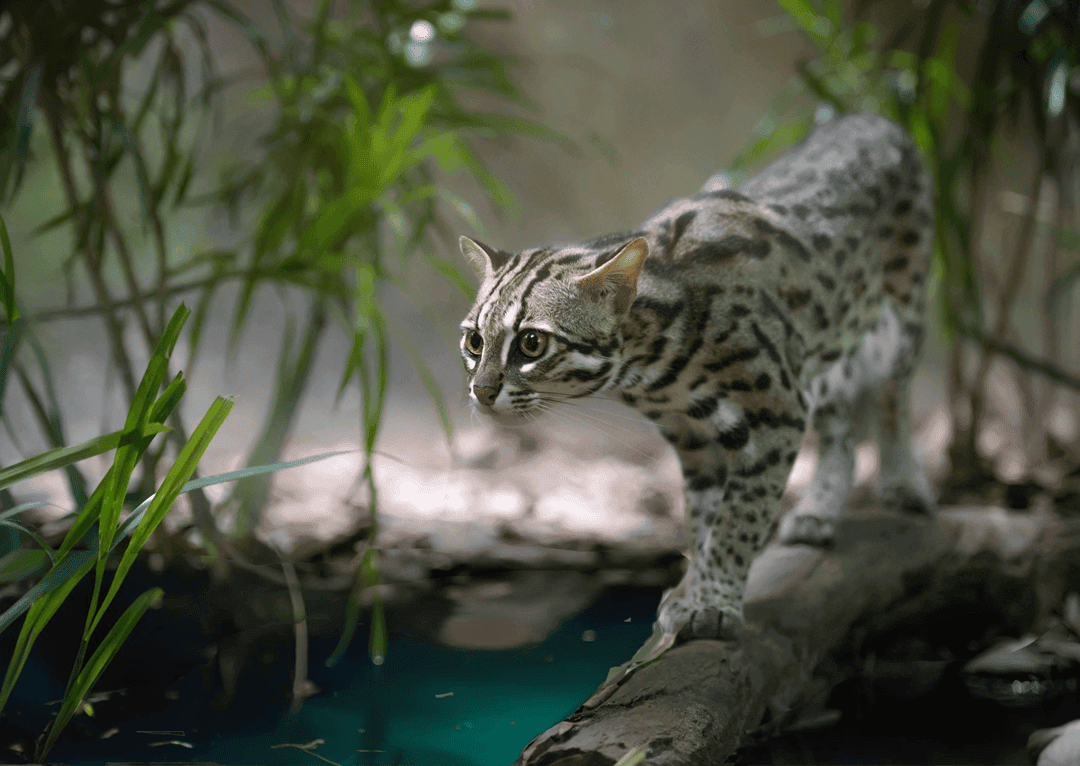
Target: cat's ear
[(618, 276), (484, 260)]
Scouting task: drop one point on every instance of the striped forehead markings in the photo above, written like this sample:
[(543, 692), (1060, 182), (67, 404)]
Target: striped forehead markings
[(523, 264), (507, 341)]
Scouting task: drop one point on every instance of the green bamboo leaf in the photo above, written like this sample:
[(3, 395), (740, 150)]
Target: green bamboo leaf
[(20, 508), (137, 513), (504, 124), (22, 563), (414, 109), (187, 172), (455, 276), (373, 410), (41, 603), (147, 196), (496, 190), (359, 126), (32, 535), (186, 463), (464, 209), (58, 458), (814, 27), (775, 140), (139, 414), (371, 576), (57, 220), (334, 219), (380, 129), (7, 277), (428, 379), (230, 13), (102, 656), (9, 346)]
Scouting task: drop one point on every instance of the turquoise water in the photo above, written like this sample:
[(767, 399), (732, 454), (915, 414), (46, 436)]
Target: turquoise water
[(428, 705)]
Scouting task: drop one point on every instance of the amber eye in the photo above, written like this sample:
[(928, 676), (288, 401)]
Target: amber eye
[(532, 343), (474, 344)]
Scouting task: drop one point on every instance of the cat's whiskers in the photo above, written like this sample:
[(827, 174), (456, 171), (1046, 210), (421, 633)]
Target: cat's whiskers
[(596, 404), (599, 424)]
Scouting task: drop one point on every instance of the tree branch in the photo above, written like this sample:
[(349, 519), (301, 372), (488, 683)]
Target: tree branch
[(695, 705)]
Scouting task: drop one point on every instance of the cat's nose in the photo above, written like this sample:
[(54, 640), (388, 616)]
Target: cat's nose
[(485, 394)]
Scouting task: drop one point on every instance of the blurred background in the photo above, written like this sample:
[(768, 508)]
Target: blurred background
[(298, 172)]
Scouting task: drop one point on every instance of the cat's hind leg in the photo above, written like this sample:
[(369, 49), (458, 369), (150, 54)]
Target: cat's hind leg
[(901, 482), (813, 519)]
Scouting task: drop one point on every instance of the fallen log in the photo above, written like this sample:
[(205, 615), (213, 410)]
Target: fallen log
[(696, 704)]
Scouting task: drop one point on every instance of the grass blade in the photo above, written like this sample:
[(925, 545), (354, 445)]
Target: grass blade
[(7, 278), (186, 463), (100, 660), (64, 456)]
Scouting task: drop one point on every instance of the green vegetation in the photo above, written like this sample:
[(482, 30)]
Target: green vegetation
[(341, 192)]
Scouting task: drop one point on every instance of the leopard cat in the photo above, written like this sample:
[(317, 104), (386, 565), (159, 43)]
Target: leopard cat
[(733, 319)]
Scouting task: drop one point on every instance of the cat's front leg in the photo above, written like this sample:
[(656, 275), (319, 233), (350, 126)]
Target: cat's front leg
[(733, 486)]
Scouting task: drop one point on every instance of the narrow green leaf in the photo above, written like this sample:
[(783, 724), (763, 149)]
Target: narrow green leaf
[(334, 219), (428, 379), (186, 463), (7, 278), (102, 656), (41, 601), (58, 458), (20, 508), (9, 346), (464, 209), (455, 275), (127, 455), (56, 220), (22, 563), (814, 27), (32, 535)]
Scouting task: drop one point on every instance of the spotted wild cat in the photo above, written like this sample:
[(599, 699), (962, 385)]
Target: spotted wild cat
[(731, 319)]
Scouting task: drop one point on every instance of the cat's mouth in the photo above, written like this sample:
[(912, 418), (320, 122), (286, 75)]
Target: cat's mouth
[(510, 417)]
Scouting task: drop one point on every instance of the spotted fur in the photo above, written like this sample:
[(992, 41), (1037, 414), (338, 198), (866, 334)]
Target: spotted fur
[(732, 319)]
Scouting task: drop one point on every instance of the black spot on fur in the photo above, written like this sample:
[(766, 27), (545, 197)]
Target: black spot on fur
[(784, 238), (763, 382), (691, 441), (821, 242), (909, 238), (681, 223), (778, 209), (702, 409), (899, 263), (743, 355), (903, 207), (796, 299), (728, 194), (802, 212), (735, 438), (825, 280)]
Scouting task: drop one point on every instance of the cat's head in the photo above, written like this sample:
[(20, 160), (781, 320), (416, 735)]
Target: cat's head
[(545, 324)]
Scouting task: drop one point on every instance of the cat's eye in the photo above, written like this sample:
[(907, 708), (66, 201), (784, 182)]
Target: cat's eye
[(474, 344), (532, 343)]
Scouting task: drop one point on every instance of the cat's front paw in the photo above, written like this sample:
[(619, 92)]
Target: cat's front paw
[(807, 529), (685, 619), (914, 497)]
